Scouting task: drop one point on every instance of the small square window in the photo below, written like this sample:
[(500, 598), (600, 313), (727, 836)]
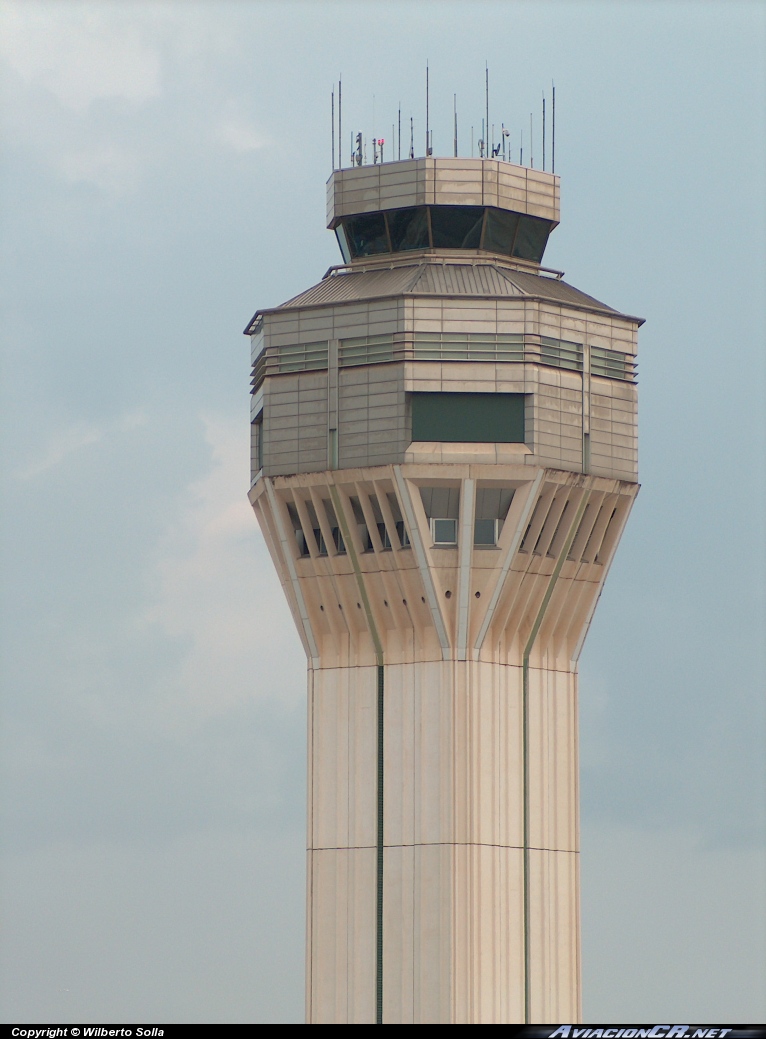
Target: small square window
[(444, 531), (485, 531)]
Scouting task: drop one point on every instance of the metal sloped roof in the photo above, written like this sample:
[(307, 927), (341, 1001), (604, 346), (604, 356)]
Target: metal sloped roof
[(343, 288), (442, 279), (552, 288), (435, 278)]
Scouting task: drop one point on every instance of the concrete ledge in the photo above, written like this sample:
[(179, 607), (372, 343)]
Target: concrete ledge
[(431, 451)]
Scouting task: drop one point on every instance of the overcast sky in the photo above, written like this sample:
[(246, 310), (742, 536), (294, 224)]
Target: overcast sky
[(163, 177)]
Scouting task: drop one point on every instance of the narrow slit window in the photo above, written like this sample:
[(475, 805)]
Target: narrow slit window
[(256, 443)]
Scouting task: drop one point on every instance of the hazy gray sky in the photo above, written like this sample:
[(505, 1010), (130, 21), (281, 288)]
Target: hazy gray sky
[(163, 176)]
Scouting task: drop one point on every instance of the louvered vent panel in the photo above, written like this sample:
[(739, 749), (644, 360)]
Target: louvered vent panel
[(559, 353), (611, 364), (468, 346), (302, 357), (258, 372), (366, 350)]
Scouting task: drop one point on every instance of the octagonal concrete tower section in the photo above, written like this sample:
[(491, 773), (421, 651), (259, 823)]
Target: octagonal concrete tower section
[(444, 456)]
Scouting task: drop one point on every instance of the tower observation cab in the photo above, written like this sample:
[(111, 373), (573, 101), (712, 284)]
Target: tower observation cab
[(444, 456), (486, 228)]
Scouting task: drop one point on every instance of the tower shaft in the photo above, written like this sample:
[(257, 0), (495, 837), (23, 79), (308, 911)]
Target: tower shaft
[(475, 899)]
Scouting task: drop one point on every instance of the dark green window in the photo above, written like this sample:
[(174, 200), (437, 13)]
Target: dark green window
[(408, 229), (367, 234), (443, 227), (456, 227), (501, 231), (531, 238), (472, 418)]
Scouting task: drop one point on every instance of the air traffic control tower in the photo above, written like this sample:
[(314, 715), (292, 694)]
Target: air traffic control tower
[(443, 461)]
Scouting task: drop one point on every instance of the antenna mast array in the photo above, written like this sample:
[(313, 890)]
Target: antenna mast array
[(553, 134), (487, 147), (428, 150), (486, 103)]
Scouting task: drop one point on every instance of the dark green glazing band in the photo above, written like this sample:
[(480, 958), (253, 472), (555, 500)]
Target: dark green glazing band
[(443, 227)]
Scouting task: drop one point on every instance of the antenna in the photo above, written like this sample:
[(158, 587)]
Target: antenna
[(553, 132), (332, 117), (521, 148), (543, 133), (400, 131), (531, 144), (412, 138), (428, 149), (340, 128), (358, 156), (486, 101), (506, 134), (454, 106), (471, 142), (481, 141)]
